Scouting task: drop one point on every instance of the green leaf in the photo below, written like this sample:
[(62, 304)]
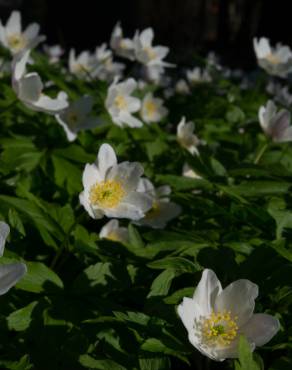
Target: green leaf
[(161, 285), (134, 237), (179, 264), (20, 320), (67, 175), (91, 363), (159, 363), (246, 360)]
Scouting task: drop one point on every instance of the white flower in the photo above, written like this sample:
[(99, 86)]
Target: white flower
[(77, 116), (110, 189), (276, 61), (107, 69), (215, 318), (162, 210), (275, 124), (181, 87), (12, 273), (152, 109), (28, 87), (281, 93), (123, 47), (186, 137), (83, 66), (189, 172), (12, 37), (198, 75), (120, 104), (54, 53), (112, 231)]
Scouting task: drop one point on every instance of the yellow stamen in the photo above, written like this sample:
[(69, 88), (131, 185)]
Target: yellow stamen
[(150, 53), (150, 107), (16, 41), (121, 102), (272, 58), (106, 194)]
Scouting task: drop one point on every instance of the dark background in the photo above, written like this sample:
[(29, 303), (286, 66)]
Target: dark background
[(186, 26)]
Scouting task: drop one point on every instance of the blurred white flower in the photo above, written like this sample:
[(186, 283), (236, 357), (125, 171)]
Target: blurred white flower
[(112, 231), (198, 75), (77, 116), (120, 104), (28, 87), (123, 47), (215, 318), (162, 210), (276, 61), (152, 109), (54, 53), (110, 189), (12, 273), (107, 69), (276, 125), (280, 93), (189, 172), (83, 66), (181, 87), (186, 137), (12, 37)]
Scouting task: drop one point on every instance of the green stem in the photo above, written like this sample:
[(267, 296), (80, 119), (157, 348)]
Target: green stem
[(260, 153)]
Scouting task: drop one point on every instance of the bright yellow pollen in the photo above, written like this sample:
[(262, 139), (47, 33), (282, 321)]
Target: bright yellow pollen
[(106, 194), (121, 102), (150, 107), (16, 41), (219, 328), (150, 53), (273, 59)]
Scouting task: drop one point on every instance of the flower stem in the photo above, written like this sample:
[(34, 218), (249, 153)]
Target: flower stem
[(260, 153)]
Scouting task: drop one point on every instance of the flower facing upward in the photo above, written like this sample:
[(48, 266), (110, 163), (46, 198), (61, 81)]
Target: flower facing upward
[(28, 88), (152, 109), (215, 318), (112, 231), (110, 189), (120, 104), (276, 61), (12, 37), (123, 47), (275, 125), (186, 137)]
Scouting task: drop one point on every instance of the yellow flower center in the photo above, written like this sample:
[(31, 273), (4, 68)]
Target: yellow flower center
[(106, 194), (150, 53), (121, 102), (16, 41), (272, 58), (150, 107), (113, 236), (219, 328)]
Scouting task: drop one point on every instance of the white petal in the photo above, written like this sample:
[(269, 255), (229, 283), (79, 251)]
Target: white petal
[(125, 211), (146, 37), (189, 311), (83, 199), (13, 24), (106, 159), (139, 200), (30, 87), (108, 228), (130, 120), (128, 174), (19, 64), (49, 105), (9, 275), (261, 328), (90, 176), (4, 232), (32, 31)]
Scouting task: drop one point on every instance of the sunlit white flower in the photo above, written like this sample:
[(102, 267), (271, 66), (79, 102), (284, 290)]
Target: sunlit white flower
[(54, 53), (12, 273), (110, 189), (162, 210), (120, 104), (107, 69), (152, 109), (28, 87), (276, 61), (215, 318), (12, 37), (186, 137), (84, 65), (189, 172), (112, 231), (181, 87), (276, 125), (198, 75), (77, 116), (123, 47)]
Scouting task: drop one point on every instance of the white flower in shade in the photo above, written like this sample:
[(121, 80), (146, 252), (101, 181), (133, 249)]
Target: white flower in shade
[(281, 93), (181, 87), (77, 116), (186, 137), (54, 53), (198, 75), (110, 189), (189, 172), (276, 61), (162, 210), (28, 88), (12, 273), (83, 66), (12, 37), (152, 109), (120, 104), (275, 125), (215, 318), (123, 47), (107, 69), (112, 231)]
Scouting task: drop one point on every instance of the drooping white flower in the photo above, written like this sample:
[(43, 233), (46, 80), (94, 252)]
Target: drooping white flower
[(280, 93), (198, 75), (28, 87), (186, 137), (189, 172), (276, 125), (162, 210), (181, 87), (83, 66), (54, 53), (77, 116), (215, 318), (107, 69), (276, 61), (112, 231), (110, 189), (123, 47), (120, 104), (152, 109), (12, 273), (12, 37)]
